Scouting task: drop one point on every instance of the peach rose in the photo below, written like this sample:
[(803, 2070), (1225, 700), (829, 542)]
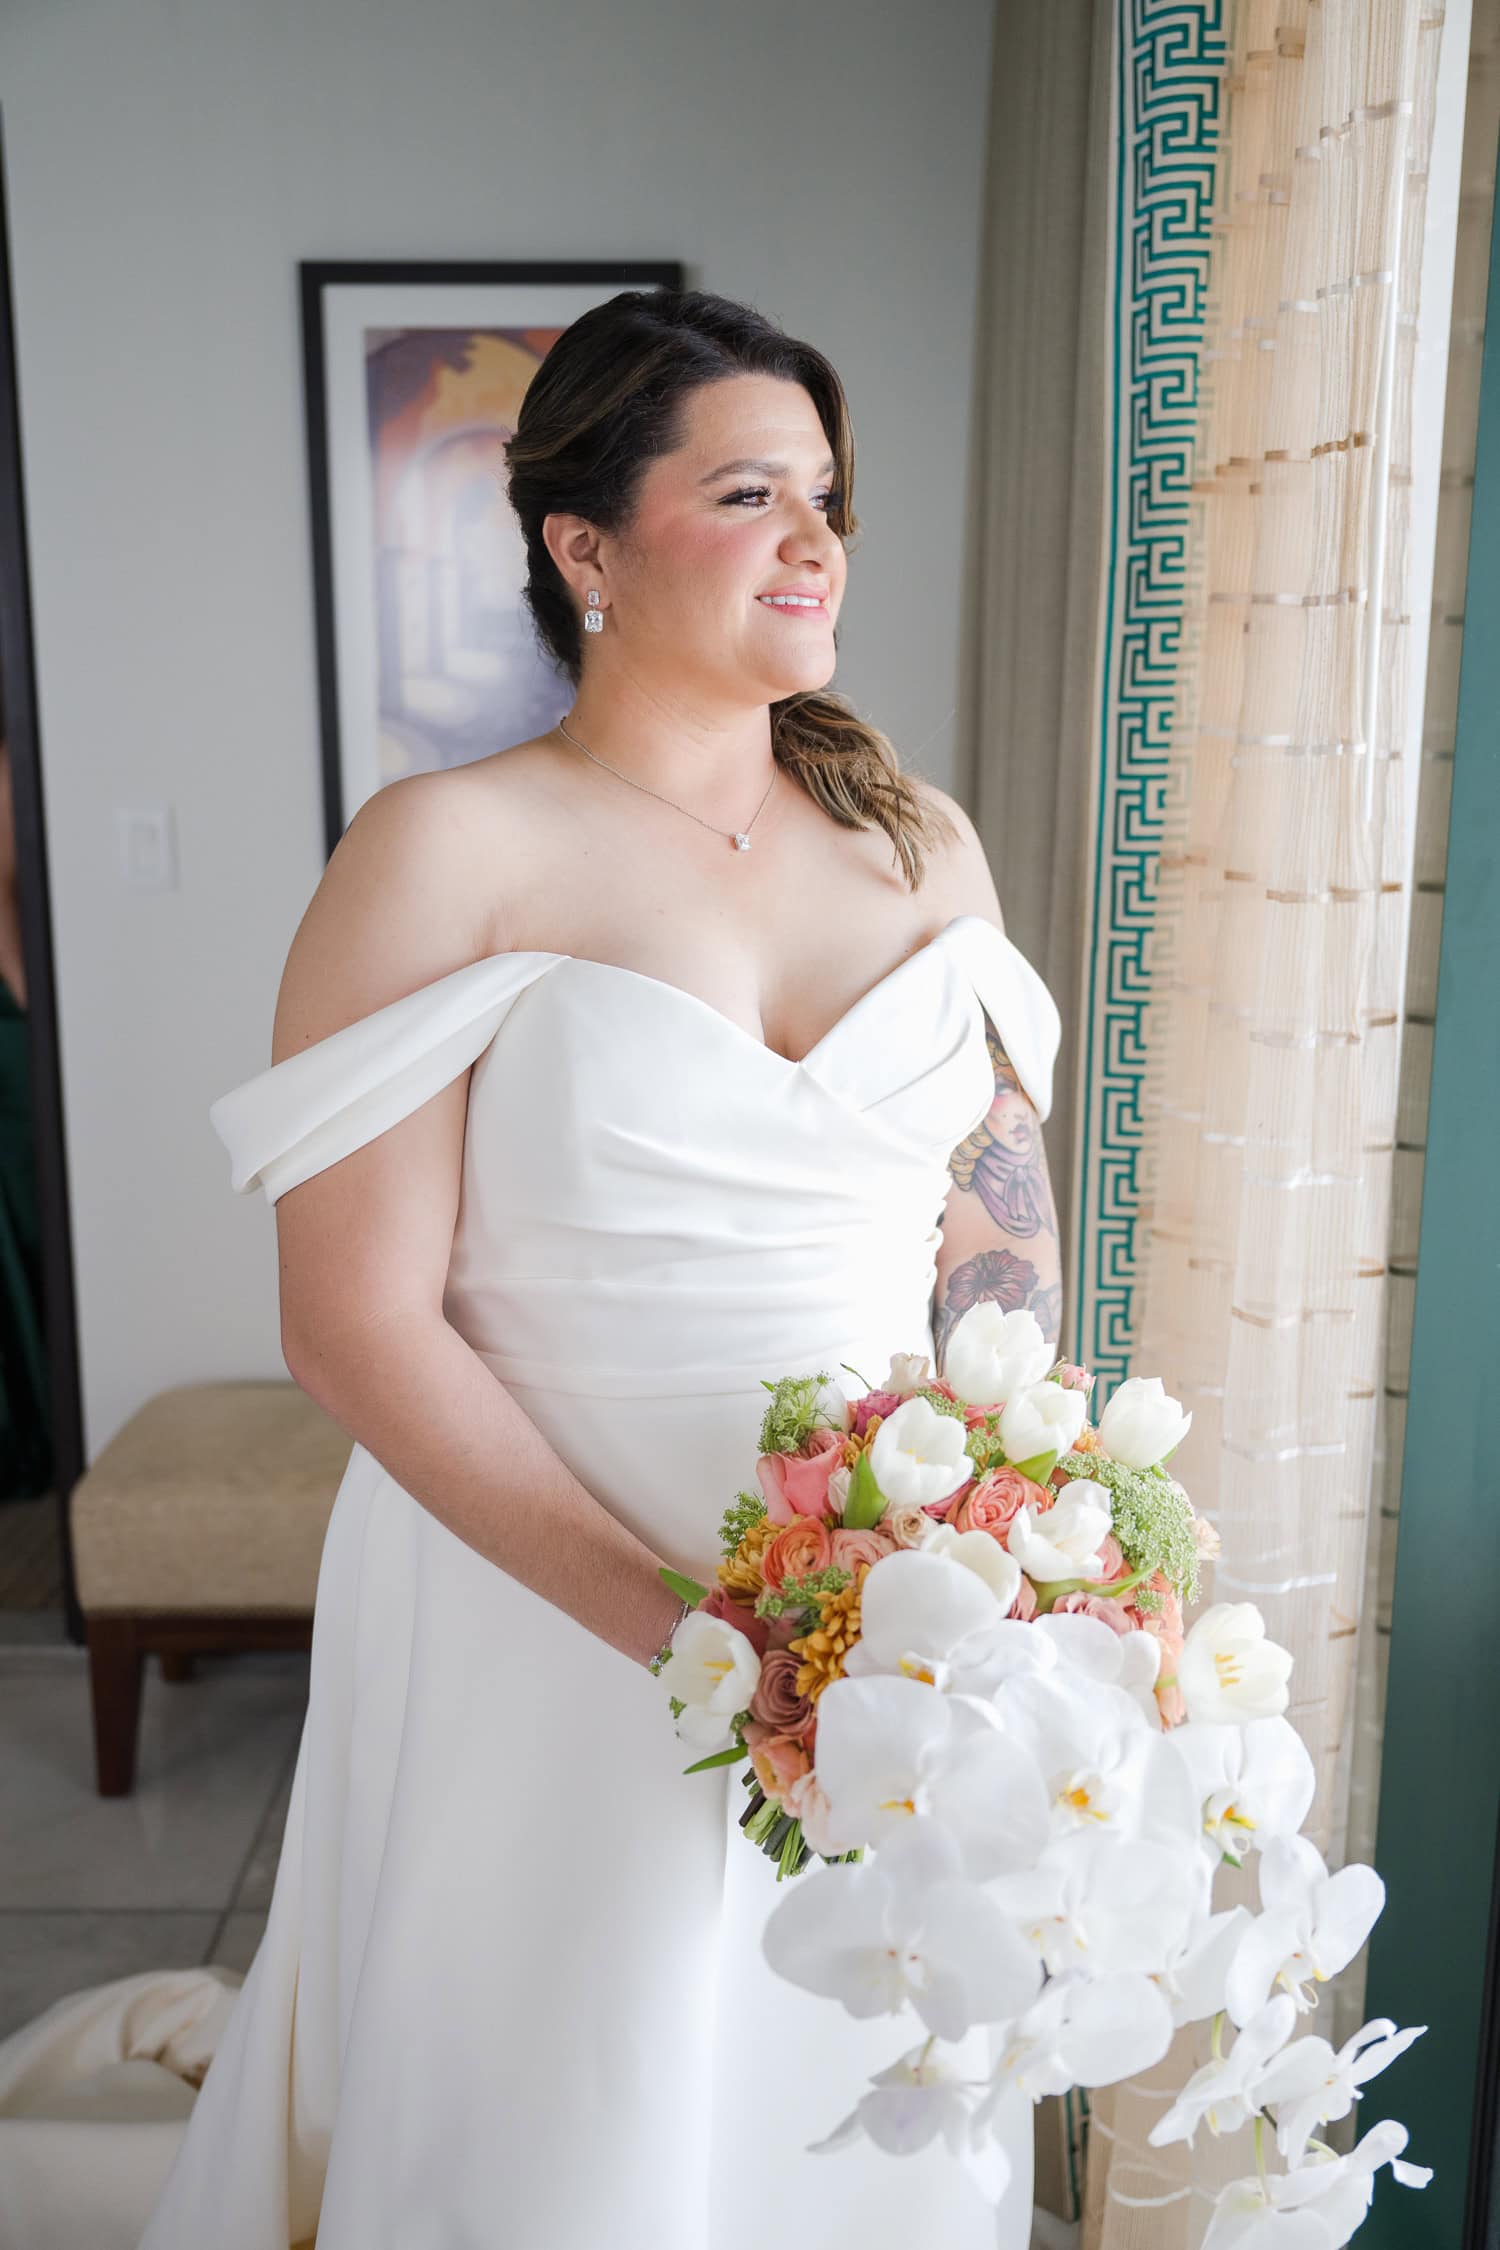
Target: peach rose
[(807, 1801), (796, 1484), (851, 1548), (776, 1702), (779, 1762), (992, 1503), (906, 1527), (800, 1549), (1114, 1565), (722, 1605)]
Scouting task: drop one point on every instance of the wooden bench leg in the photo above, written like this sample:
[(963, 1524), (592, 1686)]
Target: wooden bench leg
[(176, 1664), (116, 1662)]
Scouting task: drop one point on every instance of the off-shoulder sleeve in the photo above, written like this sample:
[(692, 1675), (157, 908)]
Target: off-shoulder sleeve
[(319, 1105), (1017, 1003)]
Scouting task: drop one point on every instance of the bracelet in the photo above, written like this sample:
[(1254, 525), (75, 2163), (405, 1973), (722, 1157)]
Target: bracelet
[(655, 1663)]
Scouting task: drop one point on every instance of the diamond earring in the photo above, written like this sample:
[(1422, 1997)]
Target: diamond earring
[(593, 616)]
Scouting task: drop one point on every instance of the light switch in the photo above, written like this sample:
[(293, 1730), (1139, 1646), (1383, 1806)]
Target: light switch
[(148, 847)]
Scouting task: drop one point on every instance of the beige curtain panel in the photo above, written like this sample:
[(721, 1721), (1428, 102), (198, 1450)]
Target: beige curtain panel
[(1272, 1037)]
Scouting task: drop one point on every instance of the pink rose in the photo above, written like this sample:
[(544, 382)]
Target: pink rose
[(744, 1620), (1073, 1378), (906, 1527), (779, 1762), (1093, 1605), (776, 1701), (873, 1402), (1024, 1605), (802, 1547), (796, 1484), (851, 1548), (807, 1801), (994, 1501)]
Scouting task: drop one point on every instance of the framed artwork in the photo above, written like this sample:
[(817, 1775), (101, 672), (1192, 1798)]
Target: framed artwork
[(414, 377)]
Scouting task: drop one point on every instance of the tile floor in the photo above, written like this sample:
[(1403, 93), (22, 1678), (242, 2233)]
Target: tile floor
[(178, 1873), (181, 1871)]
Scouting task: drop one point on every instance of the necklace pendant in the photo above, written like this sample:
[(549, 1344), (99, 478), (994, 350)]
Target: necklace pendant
[(741, 843)]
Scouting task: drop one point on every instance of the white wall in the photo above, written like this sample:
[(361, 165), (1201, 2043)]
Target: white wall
[(169, 161)]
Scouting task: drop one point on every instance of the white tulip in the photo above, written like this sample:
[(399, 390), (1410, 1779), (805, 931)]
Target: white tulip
[(1228, 1671), (978, 1552), (1312, 1926), (906, 1927), (1254, 1782), (1042, 1419), (1309, 2085), (713, 1671), (917, 1455), (1226, 2094), (1062, 1541), (991, 1354), (908, 1372), (1141, 1424)]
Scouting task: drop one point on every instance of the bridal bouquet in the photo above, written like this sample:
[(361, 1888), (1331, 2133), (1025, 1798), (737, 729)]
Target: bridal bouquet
[(948, 1638)]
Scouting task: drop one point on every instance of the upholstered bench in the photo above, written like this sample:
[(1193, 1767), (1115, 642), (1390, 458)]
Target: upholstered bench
[(199, 1528)]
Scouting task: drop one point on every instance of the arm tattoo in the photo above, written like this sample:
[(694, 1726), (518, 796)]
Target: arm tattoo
[(1003, 1162)]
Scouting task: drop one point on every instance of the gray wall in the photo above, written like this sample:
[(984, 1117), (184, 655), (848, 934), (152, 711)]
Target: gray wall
[(169, 161)]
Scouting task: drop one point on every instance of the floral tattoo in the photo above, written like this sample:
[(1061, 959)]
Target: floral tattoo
[(1003, 1163)]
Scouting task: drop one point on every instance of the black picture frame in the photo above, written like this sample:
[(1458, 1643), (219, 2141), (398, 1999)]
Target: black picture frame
[(373, 597)]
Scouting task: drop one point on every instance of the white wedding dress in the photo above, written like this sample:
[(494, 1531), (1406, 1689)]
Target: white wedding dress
[(510, 1994)]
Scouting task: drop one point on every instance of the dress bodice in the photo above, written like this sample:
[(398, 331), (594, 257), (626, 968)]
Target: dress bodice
[(652, 1198)]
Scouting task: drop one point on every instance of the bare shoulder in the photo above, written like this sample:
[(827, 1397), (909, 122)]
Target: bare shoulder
[(958, 876), (399, 904)]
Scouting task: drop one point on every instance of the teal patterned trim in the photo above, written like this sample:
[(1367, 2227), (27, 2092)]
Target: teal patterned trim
[(1171, 57)]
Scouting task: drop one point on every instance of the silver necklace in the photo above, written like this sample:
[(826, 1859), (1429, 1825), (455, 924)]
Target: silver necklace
[(740, 837)]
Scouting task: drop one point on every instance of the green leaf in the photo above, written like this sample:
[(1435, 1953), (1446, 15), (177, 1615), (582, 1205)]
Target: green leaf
[(866, 1503), (1039, 1467), (686, 1589), (729, 1757)]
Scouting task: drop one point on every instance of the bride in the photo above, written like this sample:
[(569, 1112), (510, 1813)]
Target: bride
[(611, 1074)]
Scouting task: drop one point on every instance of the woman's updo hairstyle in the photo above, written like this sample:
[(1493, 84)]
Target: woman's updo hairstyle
[(608, 399)]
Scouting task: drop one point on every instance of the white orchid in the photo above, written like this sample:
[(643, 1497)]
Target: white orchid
[(904, 1928), (713, 1672), (1096, 1903), (1330, 2197), (895, 1751), (918, 2098), (1225, 2093), (1312, 1926), (917, 1611), (1062, 1541), (1309, 2085), (918, 1456), (990, 1354), (1083, 2031), (1104, 1766), (1041, 1423), (1194, 1979), (1142, 1424), (977, 1551), (1254, 1782), (1228, 1671)]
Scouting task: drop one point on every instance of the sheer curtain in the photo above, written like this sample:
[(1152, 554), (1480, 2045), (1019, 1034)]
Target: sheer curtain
[(1272, 1036)]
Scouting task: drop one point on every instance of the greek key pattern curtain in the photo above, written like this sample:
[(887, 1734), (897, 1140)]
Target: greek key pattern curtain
[(1270, 1038)]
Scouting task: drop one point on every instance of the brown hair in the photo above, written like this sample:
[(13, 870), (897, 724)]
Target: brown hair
[(606, 401)]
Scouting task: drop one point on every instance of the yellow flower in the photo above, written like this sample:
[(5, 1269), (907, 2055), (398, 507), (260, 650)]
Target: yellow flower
[(824, 1649), (854, 1445), (739, 1574)]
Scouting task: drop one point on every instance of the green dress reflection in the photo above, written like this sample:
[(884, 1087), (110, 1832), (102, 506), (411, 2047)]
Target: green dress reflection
[(25, 1434)]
